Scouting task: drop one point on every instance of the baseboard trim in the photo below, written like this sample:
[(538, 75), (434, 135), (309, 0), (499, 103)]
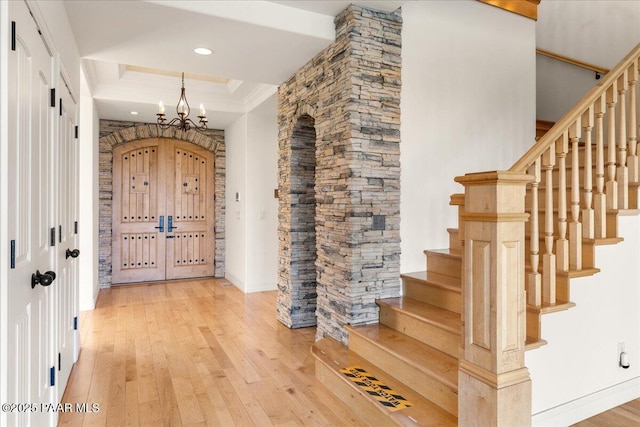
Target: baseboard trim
[(262, 287), (234, 281), (589, 405)]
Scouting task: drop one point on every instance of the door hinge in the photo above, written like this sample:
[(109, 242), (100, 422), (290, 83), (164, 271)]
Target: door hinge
[(75, 323), (13, 254), (59, 361), (52, 240), (76, 131), (61, 106), (52, 376), (53, 97), (13, 35), (75, 227)]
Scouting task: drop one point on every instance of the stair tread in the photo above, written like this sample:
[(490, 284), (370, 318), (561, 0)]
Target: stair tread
[(436, 279), (422, 412), (533, 343), (442, 252), (602, 241), (572, 274), (440, 365), (551, 308), (441, 317)]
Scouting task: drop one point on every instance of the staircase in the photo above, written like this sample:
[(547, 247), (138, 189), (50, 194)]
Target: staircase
[(524, 234), (413, 350)]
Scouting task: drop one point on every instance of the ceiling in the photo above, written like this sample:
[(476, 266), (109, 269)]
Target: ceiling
[(128, 47)]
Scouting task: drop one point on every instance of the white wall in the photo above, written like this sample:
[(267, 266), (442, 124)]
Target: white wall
[(599, 32), (88, 188), (262, 207), (576, 375), (236, 182), (468, 105), (559, 86), (252, 223)]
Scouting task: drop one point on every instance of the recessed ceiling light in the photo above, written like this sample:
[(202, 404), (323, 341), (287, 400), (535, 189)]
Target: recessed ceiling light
[(134, 113), (203, 51)]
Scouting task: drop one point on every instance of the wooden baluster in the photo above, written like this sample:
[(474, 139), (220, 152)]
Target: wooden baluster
[(611, 187), (575, 227), (549, 258), (622, 171), (599, 198), (534, 279), (588, 230), (632, 160), (562, 251)]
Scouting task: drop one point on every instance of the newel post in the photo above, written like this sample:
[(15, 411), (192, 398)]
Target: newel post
[(493, 383)]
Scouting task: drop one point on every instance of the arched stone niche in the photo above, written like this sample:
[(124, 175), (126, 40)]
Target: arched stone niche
[(114, 133)]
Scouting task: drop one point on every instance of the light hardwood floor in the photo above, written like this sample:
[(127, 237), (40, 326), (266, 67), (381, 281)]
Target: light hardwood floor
[(195, 353), (626, 415), (202, 353)]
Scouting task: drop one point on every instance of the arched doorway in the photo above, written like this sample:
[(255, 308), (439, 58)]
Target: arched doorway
[(116, 133), (302, 271), (163, 211)]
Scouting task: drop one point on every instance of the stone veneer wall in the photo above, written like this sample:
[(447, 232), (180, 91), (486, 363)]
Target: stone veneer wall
[(113, 133), (302, 234), (352, 92)]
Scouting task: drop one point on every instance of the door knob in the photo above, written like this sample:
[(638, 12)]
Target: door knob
[(72, 253), (42, 279)]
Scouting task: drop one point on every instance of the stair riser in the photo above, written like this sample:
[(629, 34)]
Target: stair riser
[(454, 241), (447, 265), (367, 410), (408, 374), (445, 341), (439, 297)]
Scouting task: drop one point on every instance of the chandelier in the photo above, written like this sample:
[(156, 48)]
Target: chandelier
[(182, 122)]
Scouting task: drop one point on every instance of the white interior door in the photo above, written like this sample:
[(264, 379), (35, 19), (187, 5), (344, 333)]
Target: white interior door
[(66, 287), (29, 329)]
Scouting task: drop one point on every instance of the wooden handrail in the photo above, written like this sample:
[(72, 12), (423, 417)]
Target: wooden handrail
[(575, 113), (572, 61)]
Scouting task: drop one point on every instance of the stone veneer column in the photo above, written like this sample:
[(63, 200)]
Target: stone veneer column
[(352, 92), (113, 133)]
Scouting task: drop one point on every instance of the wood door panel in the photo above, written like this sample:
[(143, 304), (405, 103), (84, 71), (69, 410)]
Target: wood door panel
[(190, 252), (139, 251), (138, 208), (172, 180)]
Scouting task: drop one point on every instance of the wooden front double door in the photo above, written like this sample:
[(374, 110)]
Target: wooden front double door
[(163, 211)]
